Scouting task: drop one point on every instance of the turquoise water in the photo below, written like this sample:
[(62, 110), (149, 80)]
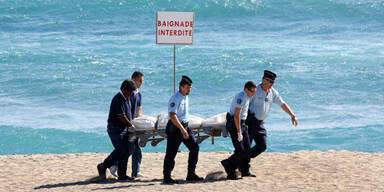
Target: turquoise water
[(61, 62)]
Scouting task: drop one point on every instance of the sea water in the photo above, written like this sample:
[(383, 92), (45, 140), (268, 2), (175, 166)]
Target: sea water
[(62, 61)]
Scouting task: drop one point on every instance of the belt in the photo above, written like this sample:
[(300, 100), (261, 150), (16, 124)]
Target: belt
[(231, 117), (258, 121), (184, 124)]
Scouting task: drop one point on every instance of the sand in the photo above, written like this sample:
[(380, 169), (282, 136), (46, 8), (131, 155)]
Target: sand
[(292, 171)]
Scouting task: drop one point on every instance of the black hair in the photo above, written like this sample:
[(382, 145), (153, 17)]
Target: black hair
[(137, 74), (128, 85), (250, 84)]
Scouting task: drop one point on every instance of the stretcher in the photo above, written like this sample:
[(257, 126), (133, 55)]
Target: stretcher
[(152, 129)]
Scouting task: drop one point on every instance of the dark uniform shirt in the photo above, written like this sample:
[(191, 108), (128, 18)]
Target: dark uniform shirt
[(119, 105), (136, 103)]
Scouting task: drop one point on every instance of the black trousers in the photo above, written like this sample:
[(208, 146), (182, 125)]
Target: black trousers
[(241, 157), (257, 133), (120, 153), (174, 139)]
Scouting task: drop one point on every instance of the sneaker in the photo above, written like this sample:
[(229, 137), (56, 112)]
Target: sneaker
[(248, 174), (169, 180), (139, 175), (193, 177), (231, 174), (102, 170), (113, 170), (124, 177)]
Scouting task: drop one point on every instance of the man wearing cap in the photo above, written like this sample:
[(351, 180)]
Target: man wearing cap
[(119, 120), (177, 131), (239, 133), (259, 107)]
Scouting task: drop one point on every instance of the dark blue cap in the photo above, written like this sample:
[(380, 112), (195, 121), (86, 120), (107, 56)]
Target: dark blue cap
[(270, 74)]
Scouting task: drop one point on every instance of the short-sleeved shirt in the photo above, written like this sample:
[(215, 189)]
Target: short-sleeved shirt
[(260, 104), (179, 104), (119, 105), (241, 100), (136, 103)]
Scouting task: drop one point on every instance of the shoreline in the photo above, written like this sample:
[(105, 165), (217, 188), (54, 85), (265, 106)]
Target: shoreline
[(275, 171)]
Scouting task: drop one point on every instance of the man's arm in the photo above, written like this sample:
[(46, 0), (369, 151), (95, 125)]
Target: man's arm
[(139, 112), (237, 123), (124, 120), (288, 110), (177, 123)]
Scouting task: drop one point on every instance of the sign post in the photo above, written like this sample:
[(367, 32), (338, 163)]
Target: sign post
[(174, 28)]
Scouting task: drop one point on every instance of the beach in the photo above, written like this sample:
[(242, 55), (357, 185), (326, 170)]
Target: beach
[(291, 171)]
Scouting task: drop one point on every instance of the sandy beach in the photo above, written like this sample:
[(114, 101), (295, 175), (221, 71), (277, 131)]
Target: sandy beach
[(292, 171)]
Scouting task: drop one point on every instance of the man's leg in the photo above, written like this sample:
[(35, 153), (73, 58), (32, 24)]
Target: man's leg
[(173, 142), (259, 135), (245, 155), (193, 156), (119, 152), (233, 161), (136, 159)]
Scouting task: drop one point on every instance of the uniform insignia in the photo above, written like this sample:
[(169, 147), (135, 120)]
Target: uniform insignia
[(239, 101), (172, 104)]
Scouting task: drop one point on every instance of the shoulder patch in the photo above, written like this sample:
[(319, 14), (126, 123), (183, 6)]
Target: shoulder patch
[(239, 101), (172, 104)]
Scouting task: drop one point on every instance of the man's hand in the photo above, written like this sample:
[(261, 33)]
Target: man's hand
[(239, 136), (185, 133), (132, 129), (294, 120)]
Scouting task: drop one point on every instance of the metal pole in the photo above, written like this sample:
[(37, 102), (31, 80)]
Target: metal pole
[(174, 68)]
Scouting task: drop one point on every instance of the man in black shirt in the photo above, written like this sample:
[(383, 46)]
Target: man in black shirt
[(120, 115)]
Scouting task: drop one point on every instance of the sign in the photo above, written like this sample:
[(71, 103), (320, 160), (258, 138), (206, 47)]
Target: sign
[(174, 28)]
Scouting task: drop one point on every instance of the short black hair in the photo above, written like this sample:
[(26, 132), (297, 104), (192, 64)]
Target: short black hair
[(137, 74), (128, 85), (250, 84)]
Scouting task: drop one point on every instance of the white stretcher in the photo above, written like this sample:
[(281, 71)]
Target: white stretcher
[(152, 129)]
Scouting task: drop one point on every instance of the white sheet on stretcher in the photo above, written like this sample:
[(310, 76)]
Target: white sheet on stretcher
[(148, 123)]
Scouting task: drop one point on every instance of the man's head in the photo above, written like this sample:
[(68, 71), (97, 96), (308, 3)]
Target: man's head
[(128, 87), (268, 79), (185, 85), (138, 78), (250, 88)]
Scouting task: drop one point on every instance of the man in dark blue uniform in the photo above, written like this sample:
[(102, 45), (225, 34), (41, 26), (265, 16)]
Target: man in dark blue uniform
[(120, 115), (177, 131), (239, 133)]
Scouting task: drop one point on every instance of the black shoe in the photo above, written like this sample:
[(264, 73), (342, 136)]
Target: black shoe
[(169, 180), (102, 170), (193, 177), (247, 174), (231, 174), (124, 177)]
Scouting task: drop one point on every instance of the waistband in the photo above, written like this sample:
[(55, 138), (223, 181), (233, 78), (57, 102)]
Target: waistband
[(231, 117), (184, 124)]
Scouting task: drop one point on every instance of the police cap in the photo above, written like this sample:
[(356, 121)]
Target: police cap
[(269, 74), (185, 80)]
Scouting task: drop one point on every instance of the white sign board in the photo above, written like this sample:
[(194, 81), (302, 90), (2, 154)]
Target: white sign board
[(174, 27)]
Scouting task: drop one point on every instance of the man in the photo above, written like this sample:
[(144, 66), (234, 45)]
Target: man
[(134, 147), (177, 131), (259, 108), (239, 133), (120, 115)]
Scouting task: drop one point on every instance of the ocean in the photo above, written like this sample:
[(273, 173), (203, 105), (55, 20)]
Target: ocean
[(62, 61)]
